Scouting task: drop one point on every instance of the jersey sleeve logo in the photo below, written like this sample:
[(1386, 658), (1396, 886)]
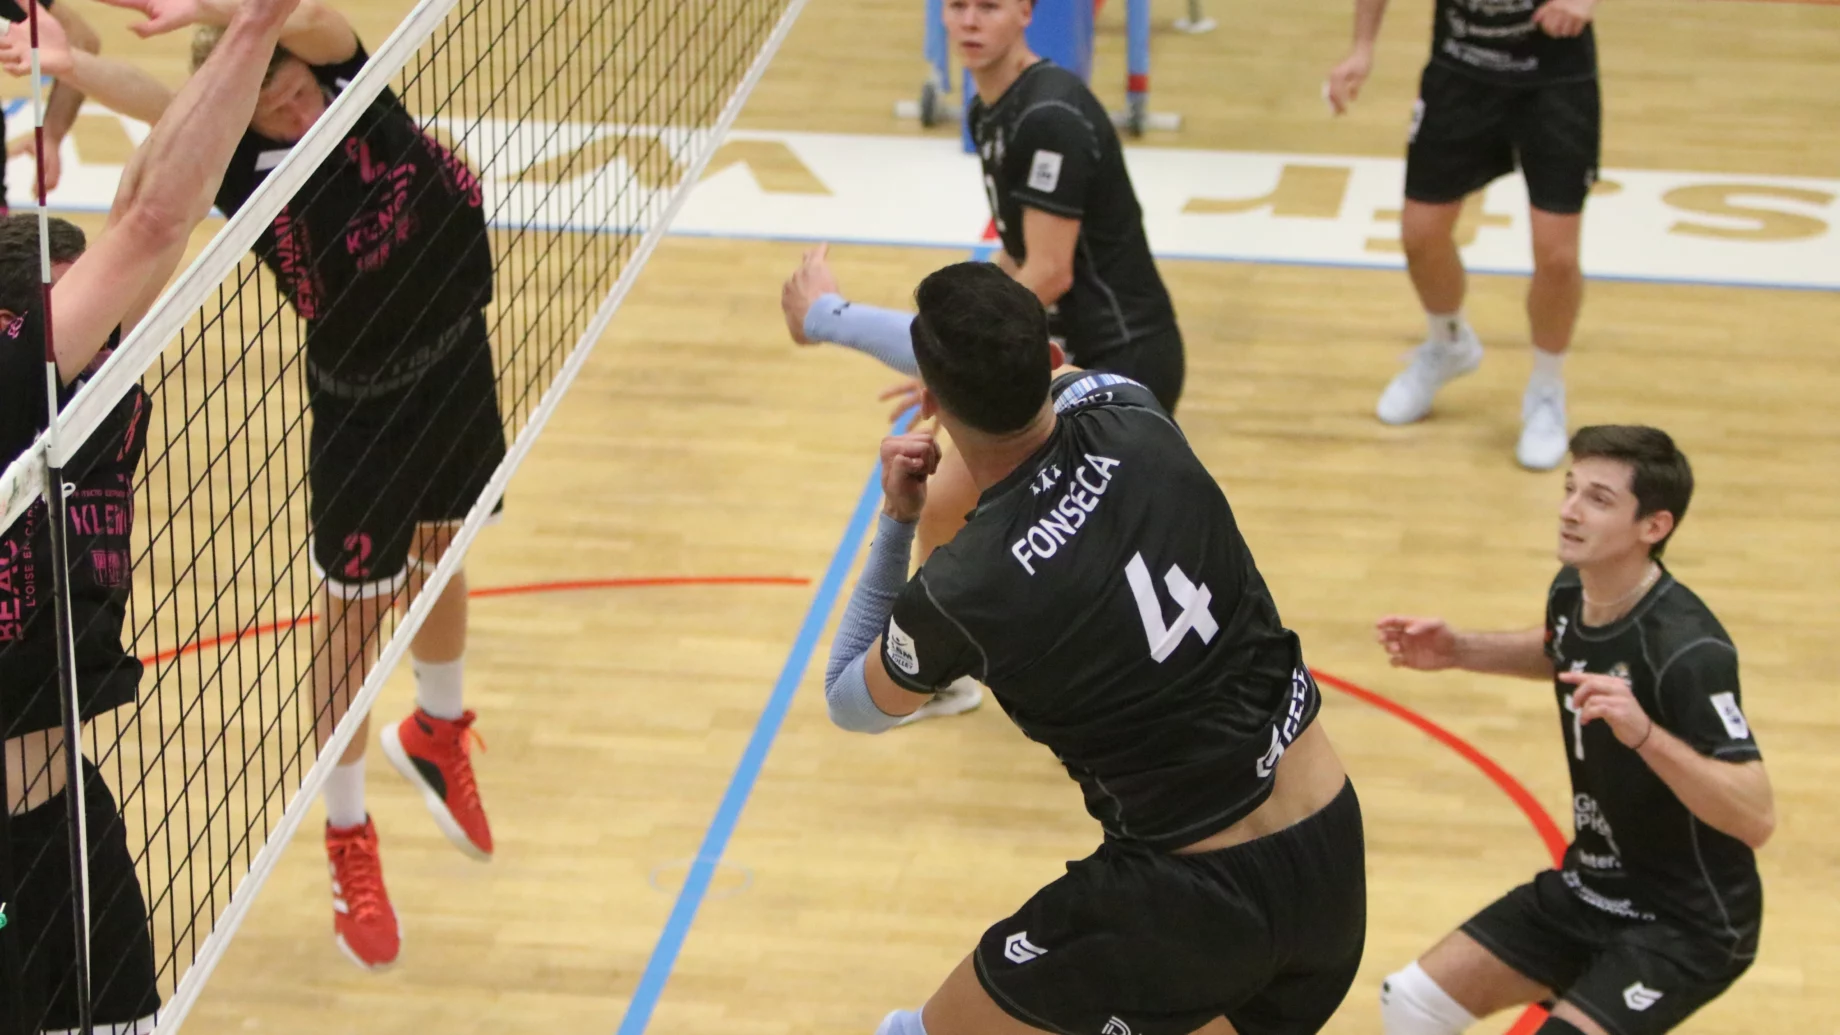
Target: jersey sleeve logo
[(1731, 715), (900, 649), (1045, 171)]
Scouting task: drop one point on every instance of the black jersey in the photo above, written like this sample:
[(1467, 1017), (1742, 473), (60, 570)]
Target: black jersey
[(99, 513), (1105, 595), (1497, 40), (1637, 851), (382, 250), (1048, 143)]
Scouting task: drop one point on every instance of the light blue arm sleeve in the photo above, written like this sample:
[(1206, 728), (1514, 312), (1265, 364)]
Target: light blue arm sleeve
[(882, 333), (846, 690)]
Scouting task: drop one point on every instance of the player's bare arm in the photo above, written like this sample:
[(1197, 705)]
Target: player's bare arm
[(315, 33), (1347, 77), (1050, 241), (1733, 798), (163, 192), (1430, 644), (113, 83), (61, 109)]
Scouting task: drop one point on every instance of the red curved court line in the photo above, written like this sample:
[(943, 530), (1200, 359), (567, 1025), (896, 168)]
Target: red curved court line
[(1531, 1019), (499, 591), (1530, 807)]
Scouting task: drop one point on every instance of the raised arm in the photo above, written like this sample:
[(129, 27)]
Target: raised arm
[(1346, 78), (314, 33), (1428, 644), (165, 190), (114, 84)]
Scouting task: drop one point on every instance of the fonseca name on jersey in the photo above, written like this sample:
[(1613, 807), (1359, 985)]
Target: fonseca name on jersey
[(1045, 538)]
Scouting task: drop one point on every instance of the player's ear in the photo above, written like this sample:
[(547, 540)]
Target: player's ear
[(1656, 526), (1057, 356), (929, 406)]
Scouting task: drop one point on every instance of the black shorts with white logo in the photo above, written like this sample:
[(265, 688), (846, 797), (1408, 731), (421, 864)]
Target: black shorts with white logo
[(1267, 934), (417, 454), (1466, 133), (42, 947), (1634, 977)]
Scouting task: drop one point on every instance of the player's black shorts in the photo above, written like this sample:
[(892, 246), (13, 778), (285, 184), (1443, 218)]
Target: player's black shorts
[(1156, 361), (419, 454), (1267, 934), (42, 945), (1466, 133), (1634, 977)]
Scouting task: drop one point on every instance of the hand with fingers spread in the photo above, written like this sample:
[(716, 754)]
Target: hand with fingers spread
[(28, 145), (810, 282), (1347, 78), (1426, 644), (1610, 698), (163, 16), (53, 47), (1564, 19), (905, 395), (907, 462)]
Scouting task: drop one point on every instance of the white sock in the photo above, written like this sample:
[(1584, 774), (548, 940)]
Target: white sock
[(344, 796), (1445, 328), (1548, 367), (1411, 1003), (438, 686)]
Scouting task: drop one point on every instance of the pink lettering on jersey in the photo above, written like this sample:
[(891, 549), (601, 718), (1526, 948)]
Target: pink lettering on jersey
[(385, 221), (295, 260)]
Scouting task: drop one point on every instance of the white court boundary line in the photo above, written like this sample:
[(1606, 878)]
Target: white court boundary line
[(218, 941)]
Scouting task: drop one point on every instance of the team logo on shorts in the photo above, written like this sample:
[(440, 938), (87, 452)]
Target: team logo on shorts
[(1620, 670), (901, 650), (1639, 997), (1115, 1027), (1018, 949)]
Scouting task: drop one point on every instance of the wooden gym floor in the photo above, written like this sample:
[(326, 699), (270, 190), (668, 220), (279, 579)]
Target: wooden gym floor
[(700, 443)]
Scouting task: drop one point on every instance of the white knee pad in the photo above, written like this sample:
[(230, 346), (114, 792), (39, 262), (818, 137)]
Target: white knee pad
[(902, 1022), (1413, 1004)]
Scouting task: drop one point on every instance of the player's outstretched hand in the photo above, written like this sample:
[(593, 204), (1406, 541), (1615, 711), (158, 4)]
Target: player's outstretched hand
[(1346, 79), (28, 145), (906, 396), (1563, 19), (907, 462), (53, 47), (1426, 644), (163, 16), (1610, 699), (810, 282)]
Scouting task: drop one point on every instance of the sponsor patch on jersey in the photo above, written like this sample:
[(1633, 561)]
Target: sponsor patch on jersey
[(900, 649), (1731, 715), (1045, 171)]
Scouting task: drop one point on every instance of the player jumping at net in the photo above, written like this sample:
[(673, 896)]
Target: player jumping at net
[(101, 291), (383, 252), (1103, 591), (1656, 909), (1510, 82), (1072, 232)]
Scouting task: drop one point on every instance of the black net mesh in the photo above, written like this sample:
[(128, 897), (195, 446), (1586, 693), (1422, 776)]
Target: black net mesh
[(573, 123)]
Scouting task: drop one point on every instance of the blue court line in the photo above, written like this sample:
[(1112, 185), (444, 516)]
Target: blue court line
[(741, 784), (747, 771)]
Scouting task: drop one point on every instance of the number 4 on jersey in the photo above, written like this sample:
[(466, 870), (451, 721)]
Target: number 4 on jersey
[(1192, 599)]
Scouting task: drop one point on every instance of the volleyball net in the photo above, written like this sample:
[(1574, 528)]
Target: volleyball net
[(585, 123)]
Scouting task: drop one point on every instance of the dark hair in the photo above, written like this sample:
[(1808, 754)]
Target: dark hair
[(1660, 476), (20, 281), (981, 342)]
